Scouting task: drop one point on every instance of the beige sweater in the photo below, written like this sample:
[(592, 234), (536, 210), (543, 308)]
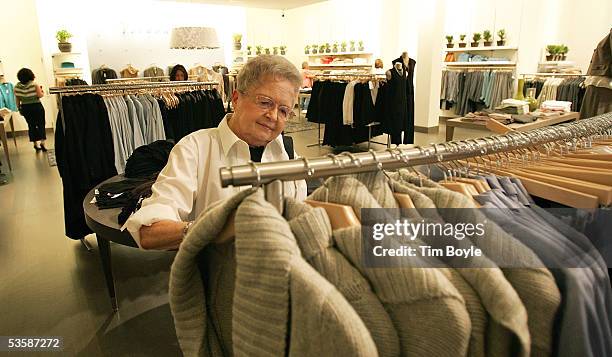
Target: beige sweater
[(313, 233), (428, 312), (523, 269), (281, 305)]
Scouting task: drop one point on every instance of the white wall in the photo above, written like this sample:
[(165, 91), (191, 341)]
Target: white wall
[(22, 48), (139, 34), (332, 21)]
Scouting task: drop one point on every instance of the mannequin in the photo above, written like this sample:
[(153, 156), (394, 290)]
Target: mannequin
[(408, 65)]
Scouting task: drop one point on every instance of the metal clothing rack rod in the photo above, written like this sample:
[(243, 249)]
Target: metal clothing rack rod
[(553, 74), (257, 174), (492, 68), (118, 80), (109, 87)]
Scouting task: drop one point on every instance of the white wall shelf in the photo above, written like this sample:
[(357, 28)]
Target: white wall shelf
[(482, 48), (481, 63), (340, 65), (65, 54), (340, 54)]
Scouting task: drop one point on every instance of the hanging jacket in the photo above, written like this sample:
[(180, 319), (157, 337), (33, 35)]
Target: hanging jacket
[(298, 312), (601, 62)]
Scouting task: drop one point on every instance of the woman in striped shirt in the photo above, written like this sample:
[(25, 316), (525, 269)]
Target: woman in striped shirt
[(28, 94)]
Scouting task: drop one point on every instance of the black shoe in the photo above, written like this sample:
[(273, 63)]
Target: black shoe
[(37, 148), (43, 148)]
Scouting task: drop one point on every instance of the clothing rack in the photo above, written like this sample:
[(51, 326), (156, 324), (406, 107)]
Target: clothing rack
[(272, 174), (552, 75), (130, 86), (137, 79), (492, 68)]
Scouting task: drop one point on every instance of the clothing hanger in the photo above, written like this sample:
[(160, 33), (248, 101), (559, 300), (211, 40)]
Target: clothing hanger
[(461, 187), (340, 216), (403, 200), (458, 170), (546, 190)]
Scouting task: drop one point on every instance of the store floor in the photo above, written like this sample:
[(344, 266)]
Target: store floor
[(52, 286)]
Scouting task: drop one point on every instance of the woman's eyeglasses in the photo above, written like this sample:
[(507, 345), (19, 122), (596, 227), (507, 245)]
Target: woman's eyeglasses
[(268, 104)]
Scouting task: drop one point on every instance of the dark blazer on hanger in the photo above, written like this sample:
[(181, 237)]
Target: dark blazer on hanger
[(601, 62)]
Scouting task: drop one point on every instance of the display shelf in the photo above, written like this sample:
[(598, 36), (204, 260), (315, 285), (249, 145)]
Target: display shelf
[(474, 49), (557, 62), (340, 65), (65, 54), (340, 54), (482, 63)]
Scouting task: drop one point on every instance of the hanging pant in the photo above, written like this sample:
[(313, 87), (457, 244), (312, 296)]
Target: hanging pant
[(35, 117)]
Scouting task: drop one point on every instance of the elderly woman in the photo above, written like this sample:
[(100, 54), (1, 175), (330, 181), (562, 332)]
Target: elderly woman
[(263, 101)]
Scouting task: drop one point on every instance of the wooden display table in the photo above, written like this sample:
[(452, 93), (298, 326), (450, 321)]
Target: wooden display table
[(451, 124)]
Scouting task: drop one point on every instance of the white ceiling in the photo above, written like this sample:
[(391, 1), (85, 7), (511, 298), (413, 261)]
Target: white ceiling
[(264, 4)]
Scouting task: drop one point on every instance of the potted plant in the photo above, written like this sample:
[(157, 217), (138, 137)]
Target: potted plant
[(361, 46), (449, 40), (462, 41), (283, 49), (322, 49), (258, 49), (315, 49), (327, 47), (563, 50), (486, 34), (475, 39), (275, 50), (307, 50), (552, 52), (249, 50), (62, 37), (352, 49), (267, 50), (502, 37), (343, 46), (335, 47), (237, 41)]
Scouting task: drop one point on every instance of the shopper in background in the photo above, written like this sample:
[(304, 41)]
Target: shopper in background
[(378, 66), (307, 81), (178, 73), (267, 87), (27, 95)]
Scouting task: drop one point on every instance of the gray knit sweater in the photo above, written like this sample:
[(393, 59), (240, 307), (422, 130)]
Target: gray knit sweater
[(535, 286), (281, 305), (429, 314), (313, 233)]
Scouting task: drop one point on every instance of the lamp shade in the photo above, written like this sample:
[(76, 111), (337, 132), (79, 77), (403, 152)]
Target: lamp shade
[(194, 38)]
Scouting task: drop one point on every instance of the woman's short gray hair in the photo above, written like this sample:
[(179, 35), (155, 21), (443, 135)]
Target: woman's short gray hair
[(260, 67)]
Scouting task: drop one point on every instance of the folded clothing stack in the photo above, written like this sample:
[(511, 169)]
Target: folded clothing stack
[(556, 106)]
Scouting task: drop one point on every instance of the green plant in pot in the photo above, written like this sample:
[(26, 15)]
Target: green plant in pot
[(552, 52), (327, 47), (237, 41), (283, 49), (486, 35), (62, 37), (475, 39), (343, 46), (322, 49), (315, 49), (462, 40), (307, 49), (275, 50), (258, 49), (267, 50), (249, 50), (449, 41), (361, 48), (352, 49), (335, 47), (563, 50), (501, 34)]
